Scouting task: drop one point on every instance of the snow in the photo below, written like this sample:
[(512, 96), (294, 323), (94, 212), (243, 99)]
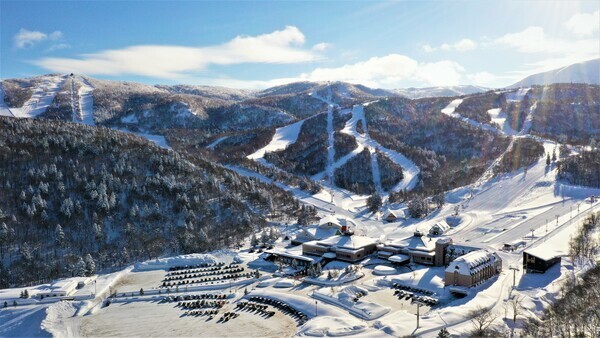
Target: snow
[(226, 257), (409, 168), (499, 117), (349, 242), (40, 100), (86, 102), (344, 298), (343, 278), (517, 95), (131, 118), (159, 140), (384, 270), (214, 143), (399, 258), (283, 137), (450, 110)]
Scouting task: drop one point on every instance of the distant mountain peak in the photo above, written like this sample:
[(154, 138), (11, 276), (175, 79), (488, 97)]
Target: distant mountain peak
[(582, 72)]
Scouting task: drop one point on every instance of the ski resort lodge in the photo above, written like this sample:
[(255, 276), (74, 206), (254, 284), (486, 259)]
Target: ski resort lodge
[(346, 248), (473, 268)]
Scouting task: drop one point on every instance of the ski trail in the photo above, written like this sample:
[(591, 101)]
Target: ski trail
[(489, 172), (214, 143), (42, 97), (330, 147), (376, 172), (283, 137), (450, 110), (86, 103), (409, 169)]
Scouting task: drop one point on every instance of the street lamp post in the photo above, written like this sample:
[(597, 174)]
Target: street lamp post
[(557, 220), (316, 309), (546, 225), (419, 304)]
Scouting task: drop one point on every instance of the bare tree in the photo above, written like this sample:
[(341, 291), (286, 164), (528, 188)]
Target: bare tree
[(481, 318), (515, 305)]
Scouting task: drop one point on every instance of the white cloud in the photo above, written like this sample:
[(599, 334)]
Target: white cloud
[(530, 40), (584, 24), (462, 45), (465, 45), (58, 46), (321, 47), (26, 38), (428, 48), (534, 40), (170, 62), (390, 71)]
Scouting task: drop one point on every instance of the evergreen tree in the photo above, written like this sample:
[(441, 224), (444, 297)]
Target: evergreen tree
[(90, 265), (141, 291), (554, 155), (374, 202), (443, 333), (79, 268), (548, 162), (59, 236), (253, 240)]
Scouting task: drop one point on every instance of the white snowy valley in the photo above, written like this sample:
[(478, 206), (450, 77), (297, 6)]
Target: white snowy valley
[(490, 255)]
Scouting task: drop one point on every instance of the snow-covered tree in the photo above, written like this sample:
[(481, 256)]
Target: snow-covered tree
[(90, 265)]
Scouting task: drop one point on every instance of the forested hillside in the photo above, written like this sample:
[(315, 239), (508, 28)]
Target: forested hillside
[(449, 153), (68, 191), (582, 169), (567, 112)]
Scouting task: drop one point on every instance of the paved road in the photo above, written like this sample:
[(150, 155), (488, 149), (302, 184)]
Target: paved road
[(511, 227)]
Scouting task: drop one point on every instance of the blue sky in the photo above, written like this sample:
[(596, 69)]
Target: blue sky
[(259, 44)]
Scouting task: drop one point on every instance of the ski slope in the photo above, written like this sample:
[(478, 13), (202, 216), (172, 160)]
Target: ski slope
[(214, 143), (450, 110), (410, 169), (42, 97), (86, 103), (283, 137)]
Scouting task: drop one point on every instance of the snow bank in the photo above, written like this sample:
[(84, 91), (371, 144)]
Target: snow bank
[(345, 299), (384, 270), (226, 257), (323, 326)]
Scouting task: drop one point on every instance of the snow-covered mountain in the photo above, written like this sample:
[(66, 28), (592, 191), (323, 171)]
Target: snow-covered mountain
[(417, 93), (210, 92), (583, 72)]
